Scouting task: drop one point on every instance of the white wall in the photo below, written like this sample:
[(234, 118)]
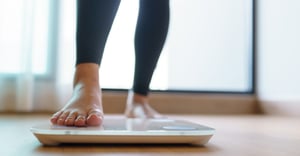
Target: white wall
[(279, 54)]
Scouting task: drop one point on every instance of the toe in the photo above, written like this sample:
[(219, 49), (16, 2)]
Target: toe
[(71, 119), (62, 118), (55, 117), (80, 120), (95, 118)]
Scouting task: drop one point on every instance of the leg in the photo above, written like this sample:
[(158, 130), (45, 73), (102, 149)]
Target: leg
[(151, 32), (94, 20)]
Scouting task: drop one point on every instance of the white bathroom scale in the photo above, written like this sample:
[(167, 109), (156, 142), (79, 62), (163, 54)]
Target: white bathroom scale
[(125, 130)]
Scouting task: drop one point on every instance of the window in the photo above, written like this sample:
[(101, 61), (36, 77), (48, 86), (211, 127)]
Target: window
[(209, 47)]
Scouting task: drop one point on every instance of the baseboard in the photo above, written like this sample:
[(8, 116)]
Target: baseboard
[(165, 103), (187, 103), (285, 108)]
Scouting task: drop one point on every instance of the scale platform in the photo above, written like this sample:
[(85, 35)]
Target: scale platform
[(128, 131)]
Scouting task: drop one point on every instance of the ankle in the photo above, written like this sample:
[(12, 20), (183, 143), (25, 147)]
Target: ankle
[(86, 75), (87, 88), (138, 98), (135, 98)]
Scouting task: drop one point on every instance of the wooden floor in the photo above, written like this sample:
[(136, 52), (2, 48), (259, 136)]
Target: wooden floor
[(250, 135)]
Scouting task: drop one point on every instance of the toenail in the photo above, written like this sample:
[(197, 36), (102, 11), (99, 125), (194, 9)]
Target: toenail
[(80, 118)]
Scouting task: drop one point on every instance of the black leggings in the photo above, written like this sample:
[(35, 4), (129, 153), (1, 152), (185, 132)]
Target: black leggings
[(94, 21)]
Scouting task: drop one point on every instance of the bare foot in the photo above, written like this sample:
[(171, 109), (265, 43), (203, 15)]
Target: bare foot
[(85, 106), (138, 107)]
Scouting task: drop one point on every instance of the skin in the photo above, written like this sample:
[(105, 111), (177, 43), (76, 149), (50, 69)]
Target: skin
[(85, 106)]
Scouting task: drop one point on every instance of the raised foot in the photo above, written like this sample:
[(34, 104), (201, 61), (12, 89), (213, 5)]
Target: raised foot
[(137, 110)]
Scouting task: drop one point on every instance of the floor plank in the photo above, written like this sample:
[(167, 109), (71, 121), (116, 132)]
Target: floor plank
[(246, 135)]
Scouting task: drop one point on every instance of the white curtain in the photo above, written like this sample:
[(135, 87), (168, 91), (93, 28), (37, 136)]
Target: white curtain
[(32, 76)]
